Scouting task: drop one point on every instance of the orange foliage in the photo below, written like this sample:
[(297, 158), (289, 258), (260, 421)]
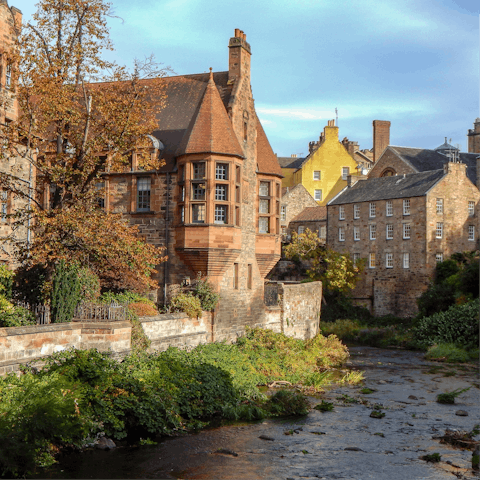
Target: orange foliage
[(143, 309)]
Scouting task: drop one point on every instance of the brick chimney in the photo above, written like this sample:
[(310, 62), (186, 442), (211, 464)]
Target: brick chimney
[(239, 56), (350, 146), (474, 137), (330, 131), (381, 137)]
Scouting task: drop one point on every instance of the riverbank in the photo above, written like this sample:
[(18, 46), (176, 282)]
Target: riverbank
[(345, 443)]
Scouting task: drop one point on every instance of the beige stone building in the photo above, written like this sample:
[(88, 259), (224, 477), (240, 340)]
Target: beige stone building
[(294, 201), (403, 225), (311, 218)]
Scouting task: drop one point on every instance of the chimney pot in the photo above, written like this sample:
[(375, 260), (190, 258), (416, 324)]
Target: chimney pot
[(237, 32)]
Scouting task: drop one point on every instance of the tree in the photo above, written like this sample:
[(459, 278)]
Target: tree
[(79, 116), (337, 271)]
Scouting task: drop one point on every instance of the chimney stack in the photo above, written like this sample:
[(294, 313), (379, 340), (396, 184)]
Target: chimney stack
[(381, 137), (239, 57)]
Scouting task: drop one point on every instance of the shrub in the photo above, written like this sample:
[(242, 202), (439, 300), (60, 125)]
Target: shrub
[(346, 330), (437, 298), (66, 292), (16, 317), (89, 285), (143, 309), (205, 292), (6, 282), (288, 403), (447, 352), (340, 307), (186, 302), (445, 269), (124, 298), (458, 325), (28, 284)]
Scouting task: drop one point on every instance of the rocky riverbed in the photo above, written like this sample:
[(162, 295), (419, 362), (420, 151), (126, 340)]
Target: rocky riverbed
[(345, 443)]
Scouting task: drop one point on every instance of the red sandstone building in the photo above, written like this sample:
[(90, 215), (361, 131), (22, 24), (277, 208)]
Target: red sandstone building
[(215, 204)]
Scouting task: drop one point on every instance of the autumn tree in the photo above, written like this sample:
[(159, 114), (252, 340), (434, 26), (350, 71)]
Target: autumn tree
[(80, 115), (338, 272)]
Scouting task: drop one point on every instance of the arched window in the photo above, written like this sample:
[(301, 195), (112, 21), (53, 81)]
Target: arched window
[(389, 172)]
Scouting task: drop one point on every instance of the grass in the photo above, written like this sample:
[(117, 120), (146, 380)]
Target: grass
[(324, 406), (367, 391), (433, 457), (449, 397), (450, 353)]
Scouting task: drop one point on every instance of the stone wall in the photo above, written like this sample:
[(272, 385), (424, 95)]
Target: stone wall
[(19, 345)]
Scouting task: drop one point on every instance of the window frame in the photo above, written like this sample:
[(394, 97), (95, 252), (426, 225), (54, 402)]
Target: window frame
[(356, 233), (341, 212), (317, 175), (471, 208), (388, 260), (283, 213), (372, 210), (341, 234), (406, 260), (372, 260), (439, 230), (406, 231), (345, 172), (372, 228), (318, 192), (439, 206), (389, 208), (471, 233), (356, 211), (389, 231), (220, 211), (144, 199), (196, 210), (406, 206), (221, 171)]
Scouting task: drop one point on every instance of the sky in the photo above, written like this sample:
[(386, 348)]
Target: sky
[(412, 62)]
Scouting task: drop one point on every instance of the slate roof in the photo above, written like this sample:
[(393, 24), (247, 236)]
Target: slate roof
[(210, 130), (311, 214), (422, 159), (290, 162), (385, 188)]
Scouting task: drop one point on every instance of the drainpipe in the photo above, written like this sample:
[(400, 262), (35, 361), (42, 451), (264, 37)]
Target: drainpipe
[(165, 264)]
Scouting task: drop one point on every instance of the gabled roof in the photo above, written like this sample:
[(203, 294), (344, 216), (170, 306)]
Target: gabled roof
[(311, 214), (386, 188), (210, 129), (290, 162), (266, 160), (422, 160)]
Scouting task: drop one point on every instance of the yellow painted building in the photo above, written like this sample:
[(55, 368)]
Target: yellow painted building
[(324, 171)]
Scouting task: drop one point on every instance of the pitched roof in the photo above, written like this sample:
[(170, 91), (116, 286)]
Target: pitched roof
[(422, 159), (290, 162), (383, 188), (210, 129), (311, 214), (266, 160)]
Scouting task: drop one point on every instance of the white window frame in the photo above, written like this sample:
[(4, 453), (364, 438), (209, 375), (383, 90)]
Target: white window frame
[(389, 260), (389, 231), (341, 212), (406, 231), (439, 257), (471, 232), (406, 206), (264, 189), (406, 260), (345, 172), (356, 211), (301, 229), (356, 258), (318, 195), (389, 208), (356, 234), (317, 175), (471, 208), (371, 260), (373, 231), (264, 224), (221, 214), (439, 230), (372, 210), (439, 206), (283, 213), (341, 234), (322, 232)]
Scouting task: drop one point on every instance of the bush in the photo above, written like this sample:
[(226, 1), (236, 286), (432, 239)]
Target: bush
[(346, 330), (447, 352), (186, 302), (340, 307), (6, 282), (66, 292), (124, 298), (204, 291), (89, 285), (143, 309), (17, 317), (288, 403), (445, 269), (28, 284), (437, 298), (458, 326)]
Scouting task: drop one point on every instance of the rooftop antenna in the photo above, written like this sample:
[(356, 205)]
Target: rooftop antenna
[(336, 115)]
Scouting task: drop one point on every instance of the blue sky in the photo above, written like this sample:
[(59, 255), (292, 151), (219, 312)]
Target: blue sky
[(415, 63)]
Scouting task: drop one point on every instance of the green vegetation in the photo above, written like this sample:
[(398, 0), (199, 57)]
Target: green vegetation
[(449, 397), (82, 394), (432, 457), (66, 290), (204, 291), (450, 353), (188, 303), (367, 391), (324, 406)]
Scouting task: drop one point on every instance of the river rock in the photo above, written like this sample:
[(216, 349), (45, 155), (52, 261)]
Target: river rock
[(412, 397), (266, 437), (461, 413), (105, 444)]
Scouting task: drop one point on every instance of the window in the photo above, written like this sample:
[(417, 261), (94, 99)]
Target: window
[(221, 171), (345, 172), (182, 193), (471, 232), (4, 206), (8, 76), (221, 214), (371, 260), (235, 276), (264, 206), (198, 191), (182, 214), (317, 175), (341, 234), (372, 210), (322, 232), (389, 260), (100, 187), (356, 258), (238, 174), (356, 233), (389, 231), (439, 230), (406, 231), (143, 194), (284, 230), (198, 213), (318, 195), (373, 232), (237, 215), (341, 212), (264, 224), (406, 260), (389, 208), (264, 189), (439, 257), (356, 211), (249, 276), (198, 170), (406, 206), (283, 212), (471, 208), (221, 192), (301, 229), (439, 205)]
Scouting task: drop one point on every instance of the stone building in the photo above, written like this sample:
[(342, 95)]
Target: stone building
[(312, 218), (294, 200), (402, 225), (215, 204), (474, 137), (15, 170)]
